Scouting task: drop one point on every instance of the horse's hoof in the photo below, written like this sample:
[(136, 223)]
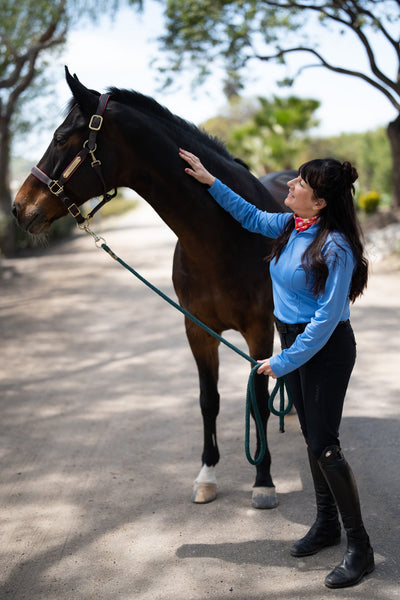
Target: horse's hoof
[(204, 492), (264, 497)]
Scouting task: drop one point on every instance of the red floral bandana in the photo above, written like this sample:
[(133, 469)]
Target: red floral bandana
[(304, 224)]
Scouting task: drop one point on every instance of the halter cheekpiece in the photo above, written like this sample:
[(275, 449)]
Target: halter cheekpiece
[(56, 186)]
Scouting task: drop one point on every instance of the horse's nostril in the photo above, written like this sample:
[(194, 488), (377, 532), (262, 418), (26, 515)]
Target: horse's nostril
[(14, 209)]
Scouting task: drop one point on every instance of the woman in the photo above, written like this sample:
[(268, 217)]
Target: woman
[(317, 267)]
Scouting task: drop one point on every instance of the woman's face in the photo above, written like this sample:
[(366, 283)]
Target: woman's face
[(301, 199)]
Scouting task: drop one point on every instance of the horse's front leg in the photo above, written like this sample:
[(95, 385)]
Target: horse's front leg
[(205, 352)]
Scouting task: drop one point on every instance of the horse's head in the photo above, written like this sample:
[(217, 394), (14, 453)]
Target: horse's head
[(70, 171)]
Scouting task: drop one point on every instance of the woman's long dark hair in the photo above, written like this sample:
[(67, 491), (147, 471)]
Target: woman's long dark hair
[(333, 181)]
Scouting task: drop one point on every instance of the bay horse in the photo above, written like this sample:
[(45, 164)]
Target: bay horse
[(219, 271)]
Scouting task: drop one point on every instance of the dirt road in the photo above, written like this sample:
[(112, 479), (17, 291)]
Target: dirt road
[(101, 440)]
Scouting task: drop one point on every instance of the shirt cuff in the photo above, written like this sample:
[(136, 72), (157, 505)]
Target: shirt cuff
[(275, 362), (214, 185)]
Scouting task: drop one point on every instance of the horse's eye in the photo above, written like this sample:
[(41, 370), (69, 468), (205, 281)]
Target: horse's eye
[(59, 139)]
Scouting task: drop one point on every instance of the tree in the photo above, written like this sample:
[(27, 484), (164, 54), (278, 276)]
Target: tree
[(232, 33), (370, 151), (270, 138), (30, 32), (241, 125)]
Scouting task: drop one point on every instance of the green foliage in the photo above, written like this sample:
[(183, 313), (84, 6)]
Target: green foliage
[(31, 32), (59, 230), (269, 138), (4, 223), (369, 152), (375, 161), (118, 206), (228, 34), (207, 33), (203, 36), (267, 141)]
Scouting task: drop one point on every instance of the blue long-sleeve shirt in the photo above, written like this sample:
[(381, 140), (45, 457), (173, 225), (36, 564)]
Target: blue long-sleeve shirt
[(294, 301)]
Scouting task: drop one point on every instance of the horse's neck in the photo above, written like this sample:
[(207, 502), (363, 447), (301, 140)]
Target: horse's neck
[(158, 174), (180, 201)]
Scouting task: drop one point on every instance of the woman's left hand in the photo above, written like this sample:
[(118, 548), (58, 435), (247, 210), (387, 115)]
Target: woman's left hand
[(265, 368)]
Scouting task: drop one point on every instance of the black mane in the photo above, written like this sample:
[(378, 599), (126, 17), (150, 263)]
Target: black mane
[(149, 106)]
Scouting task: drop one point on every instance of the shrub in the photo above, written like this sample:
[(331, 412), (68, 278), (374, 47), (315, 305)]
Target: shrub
[(369, 201), (118, 206)]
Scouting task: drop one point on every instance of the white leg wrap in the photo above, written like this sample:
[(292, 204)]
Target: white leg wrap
[(206, 475), (205, 486)]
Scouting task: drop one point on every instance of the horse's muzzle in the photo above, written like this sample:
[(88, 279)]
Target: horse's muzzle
[(33, 221)]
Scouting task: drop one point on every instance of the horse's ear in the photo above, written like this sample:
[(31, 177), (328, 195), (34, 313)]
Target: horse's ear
[(85, 98)]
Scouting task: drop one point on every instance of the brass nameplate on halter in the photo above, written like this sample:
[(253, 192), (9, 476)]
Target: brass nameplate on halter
[(71, 167)]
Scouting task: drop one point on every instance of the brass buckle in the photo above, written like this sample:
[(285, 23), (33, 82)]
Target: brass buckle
[(73, 207), (55, 188), (95, 125)]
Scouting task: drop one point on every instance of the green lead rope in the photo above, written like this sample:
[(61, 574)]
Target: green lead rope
[(251, 401)]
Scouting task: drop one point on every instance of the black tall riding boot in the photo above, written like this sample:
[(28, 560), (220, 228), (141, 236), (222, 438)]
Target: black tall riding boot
[(358, 559), (326, 529)]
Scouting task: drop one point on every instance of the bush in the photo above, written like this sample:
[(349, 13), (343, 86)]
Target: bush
[(118, 206), (59, 230), (369, 201)]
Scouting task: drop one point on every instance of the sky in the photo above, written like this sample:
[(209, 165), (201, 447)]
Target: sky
[(118, 53)]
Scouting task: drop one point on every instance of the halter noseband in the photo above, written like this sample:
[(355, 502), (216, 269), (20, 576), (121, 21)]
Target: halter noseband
[(56, 186)]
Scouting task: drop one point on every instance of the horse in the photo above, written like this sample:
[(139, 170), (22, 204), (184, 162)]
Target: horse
[(219, 270)]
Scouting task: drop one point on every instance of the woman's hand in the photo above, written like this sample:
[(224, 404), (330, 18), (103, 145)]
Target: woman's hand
[(265, 368), (197, 170)]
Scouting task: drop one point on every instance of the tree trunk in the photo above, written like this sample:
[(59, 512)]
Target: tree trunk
[(393, 131), (7, 225)]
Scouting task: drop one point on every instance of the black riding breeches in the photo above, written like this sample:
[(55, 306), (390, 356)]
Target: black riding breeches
[(319, 387)]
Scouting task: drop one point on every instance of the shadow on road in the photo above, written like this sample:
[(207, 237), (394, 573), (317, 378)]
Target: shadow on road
[(101, 440)]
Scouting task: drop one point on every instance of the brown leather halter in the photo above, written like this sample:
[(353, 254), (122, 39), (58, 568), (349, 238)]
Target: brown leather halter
[(56, 186)]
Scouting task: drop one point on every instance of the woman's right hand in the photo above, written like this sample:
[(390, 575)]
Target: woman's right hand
[(197, 170)]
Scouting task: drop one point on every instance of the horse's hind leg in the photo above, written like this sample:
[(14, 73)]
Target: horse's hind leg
[(205, 352), (264, 493)]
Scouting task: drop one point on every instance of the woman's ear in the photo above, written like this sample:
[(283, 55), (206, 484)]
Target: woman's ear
[(320, 203)]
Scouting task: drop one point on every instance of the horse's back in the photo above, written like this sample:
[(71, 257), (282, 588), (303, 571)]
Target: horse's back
[(276, 184)]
